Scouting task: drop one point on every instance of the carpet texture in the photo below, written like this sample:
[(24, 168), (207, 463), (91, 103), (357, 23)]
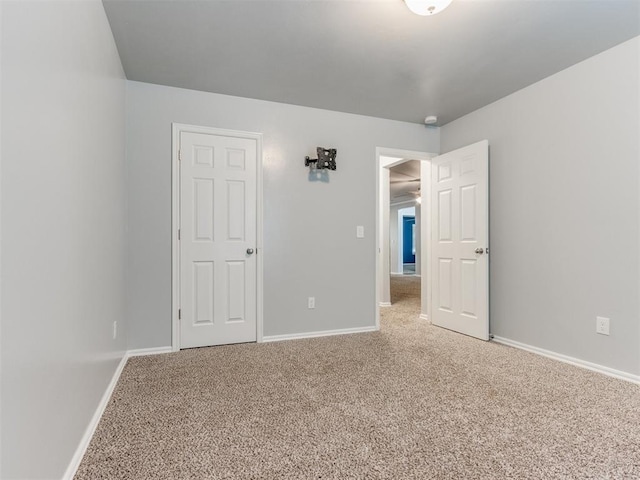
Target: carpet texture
[(411, 401)]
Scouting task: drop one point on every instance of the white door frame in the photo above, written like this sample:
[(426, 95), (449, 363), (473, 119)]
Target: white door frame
[(177, 129), (382, 246)]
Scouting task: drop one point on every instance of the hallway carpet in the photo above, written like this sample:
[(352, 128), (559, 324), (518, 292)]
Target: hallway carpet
[(412, 401)]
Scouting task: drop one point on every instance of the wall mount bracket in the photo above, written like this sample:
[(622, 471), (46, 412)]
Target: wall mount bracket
[(326, 159)]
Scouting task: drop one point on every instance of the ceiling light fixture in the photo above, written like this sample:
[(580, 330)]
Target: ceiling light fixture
[(427, 7)]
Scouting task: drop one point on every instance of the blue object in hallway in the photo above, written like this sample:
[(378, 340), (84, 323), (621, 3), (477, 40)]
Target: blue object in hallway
[(407, 240)]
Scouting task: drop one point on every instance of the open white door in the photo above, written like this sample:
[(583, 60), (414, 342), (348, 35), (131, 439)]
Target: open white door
[(218, 239), (459, 248)]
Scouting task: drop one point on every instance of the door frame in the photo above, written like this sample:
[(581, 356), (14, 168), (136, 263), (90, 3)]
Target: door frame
[(382, 246), (176, 130)]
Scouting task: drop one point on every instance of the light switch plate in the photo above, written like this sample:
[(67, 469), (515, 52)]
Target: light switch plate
[(359, 231)]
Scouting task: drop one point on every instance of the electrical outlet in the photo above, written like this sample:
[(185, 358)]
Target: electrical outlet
[(602, 325), (312, 302), (115, 330)]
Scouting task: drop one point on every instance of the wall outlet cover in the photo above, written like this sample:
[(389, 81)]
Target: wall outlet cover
[(602, 325)]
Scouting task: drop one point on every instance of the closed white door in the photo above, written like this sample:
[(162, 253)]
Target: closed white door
[(217, 239), (460, 229)]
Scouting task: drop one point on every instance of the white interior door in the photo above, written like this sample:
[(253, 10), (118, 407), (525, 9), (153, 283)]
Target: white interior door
[(459, 251), (217, 239)]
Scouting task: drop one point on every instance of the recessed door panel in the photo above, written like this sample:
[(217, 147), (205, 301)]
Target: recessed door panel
[(235, 210), (468, 281), (236, 292), (203, 155), (467, 165), (468, 213), (444, 216), (203, 293), (203, 209), (445, 278), (444, 172), (236, 158)]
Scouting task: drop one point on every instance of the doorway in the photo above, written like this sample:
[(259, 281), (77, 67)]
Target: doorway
[(410, 173), (454, 233)]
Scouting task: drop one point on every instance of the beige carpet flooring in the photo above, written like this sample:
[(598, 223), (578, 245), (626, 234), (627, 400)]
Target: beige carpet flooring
[(411, 401)]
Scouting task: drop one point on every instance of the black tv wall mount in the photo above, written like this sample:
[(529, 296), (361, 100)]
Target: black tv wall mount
[(326, 159)]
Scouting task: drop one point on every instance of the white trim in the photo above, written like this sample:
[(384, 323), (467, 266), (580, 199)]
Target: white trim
[(143, 352), (93, 423), (104, 401), (424, 317), (175, 246), (629, 377), (259, 241), (176, 129), (385, 304), (402, 156), (1, 396), (324, 333)]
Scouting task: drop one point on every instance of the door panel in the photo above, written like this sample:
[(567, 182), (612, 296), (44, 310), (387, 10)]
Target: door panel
[(236, 282), (460, 216), (218, 226), (203, 293), (203, 209)]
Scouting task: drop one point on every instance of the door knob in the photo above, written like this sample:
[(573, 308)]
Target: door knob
[(249, 251), (479, 250)]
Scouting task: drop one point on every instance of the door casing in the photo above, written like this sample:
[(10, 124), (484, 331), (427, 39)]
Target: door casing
[(177, 129)]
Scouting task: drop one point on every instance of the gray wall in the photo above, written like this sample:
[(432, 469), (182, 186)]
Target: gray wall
[(564, 161), (63, 222), (310, 245)]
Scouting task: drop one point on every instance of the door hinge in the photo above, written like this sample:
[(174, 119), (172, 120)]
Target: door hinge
[(179, 314), (178, 234), (179, 155)]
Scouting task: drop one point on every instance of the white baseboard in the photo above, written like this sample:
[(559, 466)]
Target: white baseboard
[(385, 304), (324, 333), (424, 317), (93, 423), (629, 377), (140, 352), (104, 401)]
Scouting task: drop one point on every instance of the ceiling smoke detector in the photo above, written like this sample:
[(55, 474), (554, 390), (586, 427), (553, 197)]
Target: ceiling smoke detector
[(431, 120), (427, 7)]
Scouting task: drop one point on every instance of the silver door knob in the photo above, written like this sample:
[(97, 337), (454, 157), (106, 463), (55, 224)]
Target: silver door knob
[(479, 250), (249, 251)]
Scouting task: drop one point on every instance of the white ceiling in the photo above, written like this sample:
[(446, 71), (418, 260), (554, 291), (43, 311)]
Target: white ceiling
[(368, 57), (404, 180)]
